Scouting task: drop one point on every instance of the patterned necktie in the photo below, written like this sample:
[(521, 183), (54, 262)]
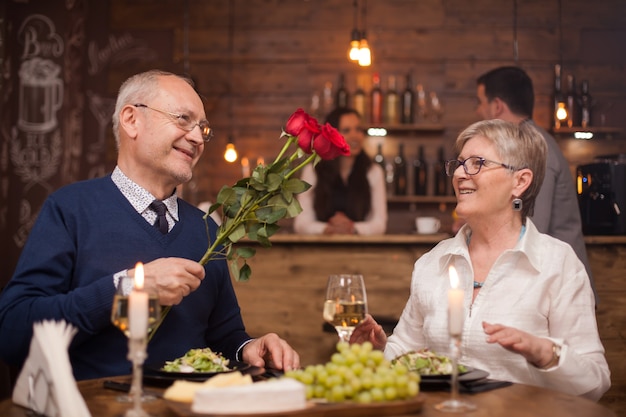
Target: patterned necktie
[(161, 221)]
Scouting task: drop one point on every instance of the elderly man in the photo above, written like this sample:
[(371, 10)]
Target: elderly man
[(90, 233)]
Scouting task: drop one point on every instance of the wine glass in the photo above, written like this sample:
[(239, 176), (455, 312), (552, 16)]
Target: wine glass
[(346, 303), (119, 318)]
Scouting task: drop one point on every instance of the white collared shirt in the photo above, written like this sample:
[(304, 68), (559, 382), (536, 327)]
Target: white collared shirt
[(540, 287)]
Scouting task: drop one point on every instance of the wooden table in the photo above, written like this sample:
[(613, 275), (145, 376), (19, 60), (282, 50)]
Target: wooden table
[(513, 401)]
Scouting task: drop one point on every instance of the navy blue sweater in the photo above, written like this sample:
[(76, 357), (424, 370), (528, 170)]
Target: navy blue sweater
[(84, 234)]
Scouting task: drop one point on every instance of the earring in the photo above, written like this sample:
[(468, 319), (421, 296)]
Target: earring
[(517, 204)]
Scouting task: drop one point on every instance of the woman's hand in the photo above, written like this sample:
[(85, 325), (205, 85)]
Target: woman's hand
[(369, 330), (537, 350), (339, 224)]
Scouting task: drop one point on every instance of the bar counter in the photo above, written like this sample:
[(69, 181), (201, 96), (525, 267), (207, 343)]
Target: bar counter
[(285, 293)]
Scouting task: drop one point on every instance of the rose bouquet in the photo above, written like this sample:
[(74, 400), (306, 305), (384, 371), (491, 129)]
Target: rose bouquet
[(253, 206)]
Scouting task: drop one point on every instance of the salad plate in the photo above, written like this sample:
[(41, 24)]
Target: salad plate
[(155, 375)]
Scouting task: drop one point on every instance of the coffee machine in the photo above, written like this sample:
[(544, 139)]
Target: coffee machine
[(601, 188)]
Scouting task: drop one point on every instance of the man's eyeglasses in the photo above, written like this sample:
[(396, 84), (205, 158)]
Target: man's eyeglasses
[(472, 165), (184, 122)]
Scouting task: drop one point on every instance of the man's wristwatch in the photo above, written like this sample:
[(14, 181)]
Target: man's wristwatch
[(556, 356)]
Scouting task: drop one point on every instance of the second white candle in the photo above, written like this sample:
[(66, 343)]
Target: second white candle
[(456, 311)]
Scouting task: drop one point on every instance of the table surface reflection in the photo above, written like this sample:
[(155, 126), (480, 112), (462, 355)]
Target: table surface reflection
[(513, 401)]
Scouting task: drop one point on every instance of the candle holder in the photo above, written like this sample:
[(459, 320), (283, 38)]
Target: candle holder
[(137, 355), (455, 404)]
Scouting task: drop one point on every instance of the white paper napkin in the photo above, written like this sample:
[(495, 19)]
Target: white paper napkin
[(46, 384)]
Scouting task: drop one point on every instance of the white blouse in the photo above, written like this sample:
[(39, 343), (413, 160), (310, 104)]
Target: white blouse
[(539, 287)]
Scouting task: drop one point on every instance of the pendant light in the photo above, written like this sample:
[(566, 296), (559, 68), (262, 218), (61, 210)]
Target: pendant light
[(359, 50), (230, 154), (365, 55), (355, 40)]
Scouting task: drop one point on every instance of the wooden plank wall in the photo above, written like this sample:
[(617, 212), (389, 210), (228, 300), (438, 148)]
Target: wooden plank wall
[(276, 53)]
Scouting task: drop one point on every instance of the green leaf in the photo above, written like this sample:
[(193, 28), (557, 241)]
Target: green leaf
[(246, 252), (234, 269), (277, 202), (294, 209), (237, 234), (244, 273), (296, 185), (247, 197), (274, 181), (213, 207), (276, 215), (225, 194)]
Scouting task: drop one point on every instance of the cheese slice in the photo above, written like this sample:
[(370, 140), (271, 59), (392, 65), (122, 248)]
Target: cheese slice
[(184, 391), (262, 397)]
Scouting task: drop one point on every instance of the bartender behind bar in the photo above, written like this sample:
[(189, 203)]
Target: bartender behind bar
[(347, 194)]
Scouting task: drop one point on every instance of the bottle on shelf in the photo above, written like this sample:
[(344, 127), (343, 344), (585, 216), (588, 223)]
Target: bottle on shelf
[(358, 100), (379, 158), (571, 103), (327, 98), (376, 101), (342, 96), (422, 111), (441, 179), (559, 113), (436, 110), (585, 104), (392, 102), (420, 173), (407, 104), (400, 172)]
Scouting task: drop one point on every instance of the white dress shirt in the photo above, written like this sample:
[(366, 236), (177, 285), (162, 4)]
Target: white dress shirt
[(539, 287)]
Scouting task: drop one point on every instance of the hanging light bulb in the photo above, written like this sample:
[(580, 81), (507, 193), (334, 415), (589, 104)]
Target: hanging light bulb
[(230, 155), (365, 55), (561, 111), (353, 53), (354, 46)]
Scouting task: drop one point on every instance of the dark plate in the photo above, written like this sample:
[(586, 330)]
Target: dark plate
[(442, 382), (153, 375), (471, 373)]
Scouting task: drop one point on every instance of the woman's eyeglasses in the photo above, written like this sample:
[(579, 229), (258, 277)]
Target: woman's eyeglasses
[(472, 165), (184, 122)]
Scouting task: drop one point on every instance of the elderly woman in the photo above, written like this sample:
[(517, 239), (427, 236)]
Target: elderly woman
[(529, 308)]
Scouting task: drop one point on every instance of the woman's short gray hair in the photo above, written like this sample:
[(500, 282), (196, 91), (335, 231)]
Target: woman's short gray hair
[(520, 146)]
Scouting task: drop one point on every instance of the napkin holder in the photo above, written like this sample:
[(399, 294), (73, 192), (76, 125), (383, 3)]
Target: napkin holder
[(46, 384)]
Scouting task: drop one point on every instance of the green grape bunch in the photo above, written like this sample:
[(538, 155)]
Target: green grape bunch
[(357, 373)]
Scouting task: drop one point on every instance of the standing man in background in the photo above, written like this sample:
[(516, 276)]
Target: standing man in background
[(507, 93)]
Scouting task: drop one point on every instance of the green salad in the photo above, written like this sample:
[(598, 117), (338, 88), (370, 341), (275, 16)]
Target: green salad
[(426, 362), (198, 360)]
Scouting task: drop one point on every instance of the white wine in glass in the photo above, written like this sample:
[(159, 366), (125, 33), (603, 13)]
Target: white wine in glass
[(119, 314), (346, 303)]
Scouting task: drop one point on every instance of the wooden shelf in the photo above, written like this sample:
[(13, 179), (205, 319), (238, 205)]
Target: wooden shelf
[(597, 132), (421, 199)]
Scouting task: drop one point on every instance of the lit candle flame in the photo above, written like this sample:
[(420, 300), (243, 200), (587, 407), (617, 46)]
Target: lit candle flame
[(454, 277), (139, 276)]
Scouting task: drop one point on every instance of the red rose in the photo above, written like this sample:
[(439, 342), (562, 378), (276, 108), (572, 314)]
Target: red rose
[(310, 130), (296, 122), (330, 143)]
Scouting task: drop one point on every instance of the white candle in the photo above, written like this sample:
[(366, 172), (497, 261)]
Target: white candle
[(138, 306), (456, 311), (245, 167)]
